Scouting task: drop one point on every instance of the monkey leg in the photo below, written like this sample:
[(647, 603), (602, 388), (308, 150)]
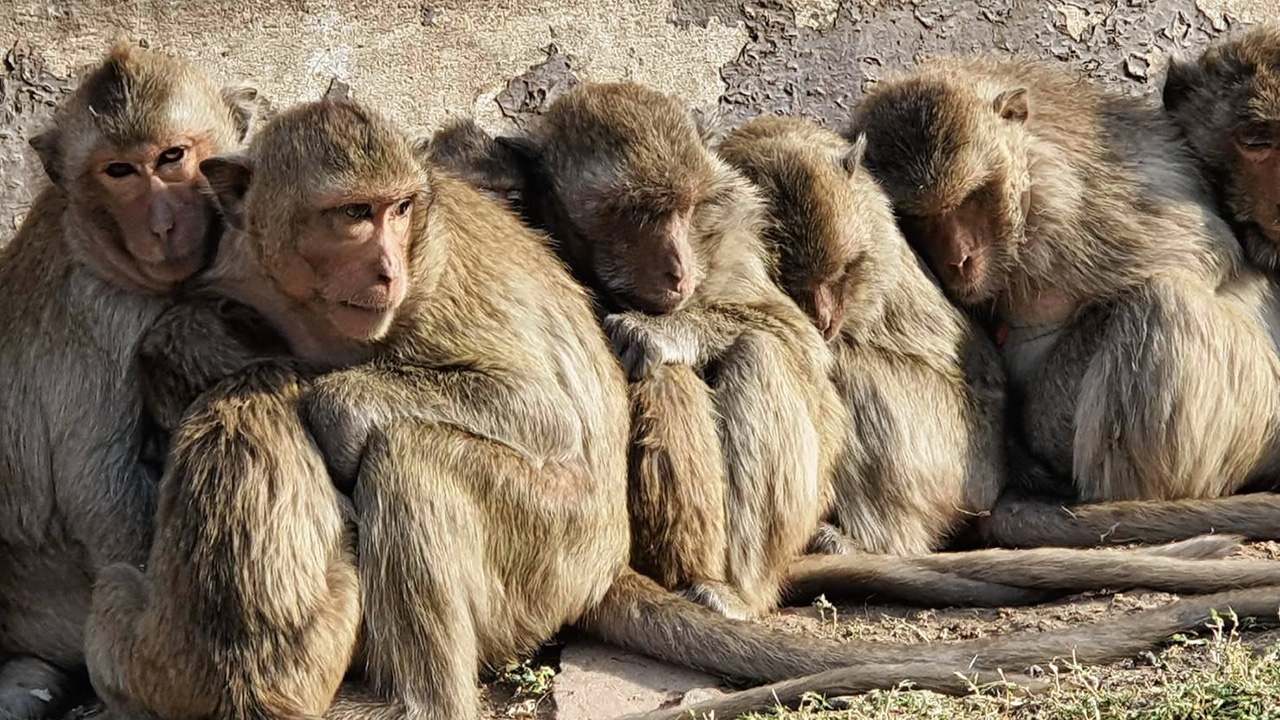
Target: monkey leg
[(771, 452), (1180, 400), (32, 689), (254, 605), (903, 486), (676, 492), (470, 553)]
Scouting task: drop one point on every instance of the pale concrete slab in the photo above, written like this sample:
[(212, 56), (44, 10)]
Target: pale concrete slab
[(598, 681)]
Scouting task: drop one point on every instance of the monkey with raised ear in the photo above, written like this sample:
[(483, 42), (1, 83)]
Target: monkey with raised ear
[(101, 253), (922, 382), (448, 371), (1138, 365)]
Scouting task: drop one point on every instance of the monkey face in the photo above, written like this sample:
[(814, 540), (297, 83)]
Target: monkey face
[(961, 245), (1256, 196), (646, 260), (352, 259), (149, 197)]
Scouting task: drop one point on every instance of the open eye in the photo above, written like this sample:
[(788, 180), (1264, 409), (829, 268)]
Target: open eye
[(172, 155), (404, 207), (119, 170), (358, 211)]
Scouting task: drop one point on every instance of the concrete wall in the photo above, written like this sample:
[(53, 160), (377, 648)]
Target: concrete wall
[(503, 60)]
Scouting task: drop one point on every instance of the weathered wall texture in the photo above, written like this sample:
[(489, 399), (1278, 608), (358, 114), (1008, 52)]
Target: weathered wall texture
[(502, 60)]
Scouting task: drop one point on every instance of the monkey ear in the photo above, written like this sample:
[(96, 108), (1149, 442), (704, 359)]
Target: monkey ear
[(1182, 76), (48, 146), (247, 107), (229, 177), (524, 148), (1012, 104), (852, 160), (709, 126)]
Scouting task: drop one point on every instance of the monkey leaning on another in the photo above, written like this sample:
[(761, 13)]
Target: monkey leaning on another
[(923, 384), (100, 255), (1137, 366)]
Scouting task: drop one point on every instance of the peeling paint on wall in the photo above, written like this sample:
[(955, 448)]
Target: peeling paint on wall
[(502, 61)]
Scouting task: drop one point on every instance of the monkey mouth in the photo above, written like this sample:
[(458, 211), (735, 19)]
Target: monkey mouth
[(372, 307)]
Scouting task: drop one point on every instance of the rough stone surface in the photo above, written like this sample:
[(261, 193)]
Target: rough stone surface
[(504, 61), (599, 681)]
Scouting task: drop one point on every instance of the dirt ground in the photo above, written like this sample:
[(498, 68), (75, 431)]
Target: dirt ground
[(1093, 688)]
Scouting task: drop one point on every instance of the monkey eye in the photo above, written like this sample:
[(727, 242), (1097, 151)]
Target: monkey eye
[(1255, 137), (119, 170), (358, 211), (172, 155), (403, 208)]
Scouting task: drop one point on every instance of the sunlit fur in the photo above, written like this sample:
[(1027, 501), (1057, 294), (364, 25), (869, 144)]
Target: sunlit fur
[(923, 385), (76, 493), (1232, 87)]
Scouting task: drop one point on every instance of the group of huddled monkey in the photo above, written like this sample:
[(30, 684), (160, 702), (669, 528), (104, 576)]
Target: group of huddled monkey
[(305, 419)]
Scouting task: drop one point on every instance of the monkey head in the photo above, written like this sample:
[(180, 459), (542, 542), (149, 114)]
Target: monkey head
[(126, 149), (1228, 104), (327, 203), (826, 214), (622, 178), (953, 160)]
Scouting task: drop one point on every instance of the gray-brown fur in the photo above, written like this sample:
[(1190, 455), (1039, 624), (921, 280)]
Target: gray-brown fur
[(77, 292), (629, 191), (1227, 101), (467, 359), (922, 383), (1137, 364)]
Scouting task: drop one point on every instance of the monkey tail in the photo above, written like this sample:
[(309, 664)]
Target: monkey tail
[(1000, 578), (638, 615), (1021, 522), (353, 703)]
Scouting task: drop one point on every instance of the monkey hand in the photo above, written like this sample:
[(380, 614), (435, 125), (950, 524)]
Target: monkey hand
[(642, 343), (341, 410)]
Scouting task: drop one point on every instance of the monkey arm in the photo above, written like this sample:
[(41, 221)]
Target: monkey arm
[(193, 346), (344, 407), (698, 335)]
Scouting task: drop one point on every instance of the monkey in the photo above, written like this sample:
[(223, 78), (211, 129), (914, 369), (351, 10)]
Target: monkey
[(99, 256), (1137, 365), (923, 384), (1227, 102), (677, 496), (447, 372)]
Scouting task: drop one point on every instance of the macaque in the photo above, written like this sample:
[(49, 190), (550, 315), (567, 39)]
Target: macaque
[(922, 383), (1138, 367), (100, 255)]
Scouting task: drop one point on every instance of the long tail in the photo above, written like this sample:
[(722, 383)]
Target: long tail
[(1021, 522), (835, 683), (638, 615), (1001, 578), (356, 703)]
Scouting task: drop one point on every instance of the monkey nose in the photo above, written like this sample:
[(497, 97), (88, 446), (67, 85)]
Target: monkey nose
[(679, 280)]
